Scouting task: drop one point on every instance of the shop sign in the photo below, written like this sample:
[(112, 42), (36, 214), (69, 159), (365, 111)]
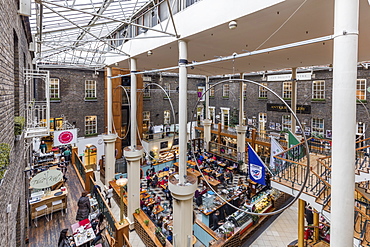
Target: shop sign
[(65, 137), (288, 77), (46, 179), (302, 109)]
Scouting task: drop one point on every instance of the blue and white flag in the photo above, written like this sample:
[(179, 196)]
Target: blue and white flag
[(256, 167)]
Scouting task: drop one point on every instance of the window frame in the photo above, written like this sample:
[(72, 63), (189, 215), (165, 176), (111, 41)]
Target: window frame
[(92, 91), (314, 128), (286, 122), (225, 90), (53, 95), (91, 129), (287, 90), (262, 92), (361, 97), (166, 117), (318, 91)]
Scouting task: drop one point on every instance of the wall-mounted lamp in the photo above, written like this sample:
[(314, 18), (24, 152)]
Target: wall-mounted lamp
[(150, 52)]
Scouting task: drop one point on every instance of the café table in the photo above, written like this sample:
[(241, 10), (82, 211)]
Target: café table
[(163, 174), (82, 232)]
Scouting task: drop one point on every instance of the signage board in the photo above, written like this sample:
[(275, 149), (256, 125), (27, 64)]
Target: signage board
[(302, 109), (64, 137)]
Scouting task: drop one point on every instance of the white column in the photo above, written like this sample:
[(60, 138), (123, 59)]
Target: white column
[(133, 186), (294, 98), (109, 101), (344, 121), (183, 88), (109, 138), (182, 210), (110, 159), (240, 142), (182, 186), (133, 109), (207, 98), (241, 100), (207, 132)]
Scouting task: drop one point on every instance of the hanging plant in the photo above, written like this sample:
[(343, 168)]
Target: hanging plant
[(4, 158), (18, 125)]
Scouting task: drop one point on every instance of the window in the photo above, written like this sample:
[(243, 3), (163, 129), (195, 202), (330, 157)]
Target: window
[(262, 92), (225, 116), (318, 90), (146, 93), (225, 90), (286, 122), (146, 120), (262, 119), (287, 90), (245, 90), (167, 87), (90, 89), (54, 88), (167, 116), (361, 89), (212, 92), (317, 127), (200, 116), (90, 125), (212, 113)]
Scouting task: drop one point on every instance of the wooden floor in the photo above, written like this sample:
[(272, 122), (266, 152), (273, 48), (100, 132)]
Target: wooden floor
[(47, 233)]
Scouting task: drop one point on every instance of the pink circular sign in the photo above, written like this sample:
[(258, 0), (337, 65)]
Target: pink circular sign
[(65, 137)]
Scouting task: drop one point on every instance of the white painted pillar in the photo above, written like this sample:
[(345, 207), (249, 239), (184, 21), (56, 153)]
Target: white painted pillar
[(294, 98), (182, 186), (346, 16), (109, 101), (240, 142), (207, 132), (207, 98), (110, 159), (183, 110), (133, 157), (241, 100), (109, 138), (133, 110)]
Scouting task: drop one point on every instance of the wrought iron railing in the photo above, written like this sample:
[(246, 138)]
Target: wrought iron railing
[(80, 167)]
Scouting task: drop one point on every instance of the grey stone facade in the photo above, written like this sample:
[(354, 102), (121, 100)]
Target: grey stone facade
[(254, 105), (72, 103), (14, 57)]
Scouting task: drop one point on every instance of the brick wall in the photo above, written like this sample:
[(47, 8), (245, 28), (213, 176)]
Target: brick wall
[(72, 103), (12, 62)]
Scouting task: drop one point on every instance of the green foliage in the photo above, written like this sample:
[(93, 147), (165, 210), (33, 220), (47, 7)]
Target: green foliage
[(146, 222), (4, 158), (18, 125)]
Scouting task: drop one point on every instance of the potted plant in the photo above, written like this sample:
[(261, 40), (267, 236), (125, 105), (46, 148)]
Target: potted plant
[(18, 126), (4, 159), (146, 222), (159, 235), (137, 211)]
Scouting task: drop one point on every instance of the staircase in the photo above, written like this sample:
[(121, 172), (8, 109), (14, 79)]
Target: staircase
[(289, 174)]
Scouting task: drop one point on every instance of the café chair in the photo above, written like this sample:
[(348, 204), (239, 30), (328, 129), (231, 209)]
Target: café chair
[(56, 205), (41, 211)]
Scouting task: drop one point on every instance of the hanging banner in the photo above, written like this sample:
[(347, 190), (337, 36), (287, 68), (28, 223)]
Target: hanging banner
[(64, 137), (256, 167)]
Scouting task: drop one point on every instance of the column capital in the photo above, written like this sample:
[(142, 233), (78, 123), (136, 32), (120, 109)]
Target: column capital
[(241, 128), (182, 191), (133, 154), (109, 138), (207, 122)]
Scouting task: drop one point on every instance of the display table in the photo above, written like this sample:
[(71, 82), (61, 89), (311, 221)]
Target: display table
[(48, 199), (82, 232), (211, 181)]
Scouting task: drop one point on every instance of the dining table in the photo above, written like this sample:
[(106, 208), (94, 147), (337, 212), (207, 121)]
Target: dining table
[(82, 232)]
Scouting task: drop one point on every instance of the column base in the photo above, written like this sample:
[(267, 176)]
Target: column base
[(133, 154)]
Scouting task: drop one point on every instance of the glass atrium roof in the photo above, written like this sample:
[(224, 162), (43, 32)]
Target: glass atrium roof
[(77, 33)]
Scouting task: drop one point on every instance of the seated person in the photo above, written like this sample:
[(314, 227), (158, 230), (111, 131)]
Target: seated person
[(100, 225), (64, 239), (166, 169)]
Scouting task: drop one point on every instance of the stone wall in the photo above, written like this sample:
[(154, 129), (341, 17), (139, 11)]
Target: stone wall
[(14, 57)]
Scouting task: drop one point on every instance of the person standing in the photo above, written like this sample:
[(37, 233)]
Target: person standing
[(43, 147), (215, 220), (67, 154), (84, 207)]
